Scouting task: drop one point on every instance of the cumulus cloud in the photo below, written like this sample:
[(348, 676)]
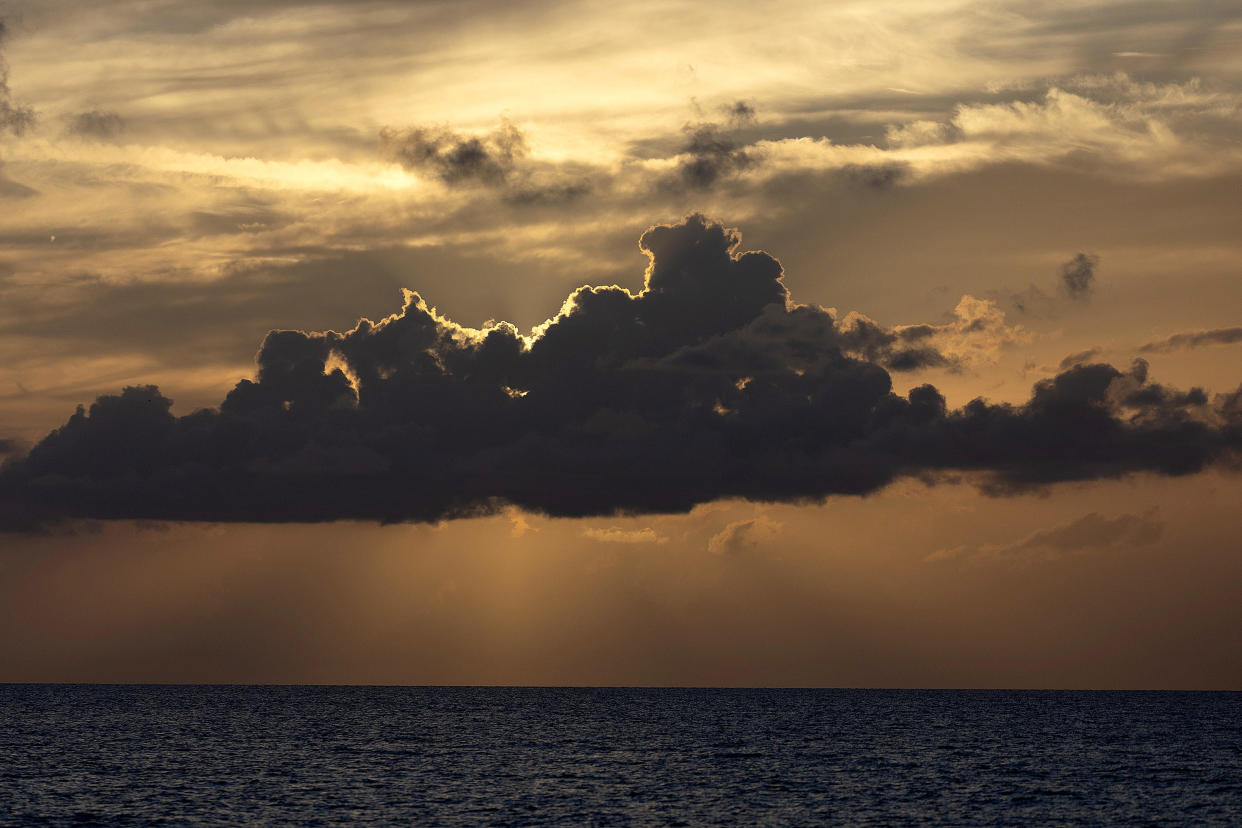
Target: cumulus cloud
[(1186, 340), (708, 383), (975, 333), (1090, 533)]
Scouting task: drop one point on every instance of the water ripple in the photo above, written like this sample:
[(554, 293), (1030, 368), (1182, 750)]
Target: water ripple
[(145, 755)]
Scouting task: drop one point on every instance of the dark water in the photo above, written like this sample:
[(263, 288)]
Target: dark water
[(133, 755)]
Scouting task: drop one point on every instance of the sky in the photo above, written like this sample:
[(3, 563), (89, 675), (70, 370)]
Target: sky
[(839, 344)]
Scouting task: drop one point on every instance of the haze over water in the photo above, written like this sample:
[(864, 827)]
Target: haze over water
[(184, 755)]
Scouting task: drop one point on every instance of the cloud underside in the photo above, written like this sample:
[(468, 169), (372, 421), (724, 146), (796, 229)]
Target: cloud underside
[(709, 383)]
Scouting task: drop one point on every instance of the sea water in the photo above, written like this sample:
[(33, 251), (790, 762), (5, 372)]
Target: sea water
[(222, 755)]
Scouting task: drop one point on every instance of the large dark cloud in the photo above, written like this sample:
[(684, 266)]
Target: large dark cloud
[(707, 383)]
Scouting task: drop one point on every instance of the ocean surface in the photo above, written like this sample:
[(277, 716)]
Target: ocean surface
[(225, 755)]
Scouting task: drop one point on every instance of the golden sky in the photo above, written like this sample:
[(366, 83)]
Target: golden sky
[(178, 179)]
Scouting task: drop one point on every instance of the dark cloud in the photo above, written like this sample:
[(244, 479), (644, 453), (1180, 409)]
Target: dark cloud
[(497, 160), (96, 124), (862, 338), (1193, 339), (740, 113), (1076, 283), (1078, 275), (876, 176), (455, 158), (713, 152), (15, 118), (707, 383), (536, 191)]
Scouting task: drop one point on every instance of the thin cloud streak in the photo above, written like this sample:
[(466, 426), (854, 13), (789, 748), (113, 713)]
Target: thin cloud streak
[(1189, 340)]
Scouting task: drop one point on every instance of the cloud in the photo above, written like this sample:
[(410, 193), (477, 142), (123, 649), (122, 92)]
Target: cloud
[(712, 153), (1078, 275), (1098, 123), (627, 536), (807, 338), (1186, 340), (881, 176), (497, 160), (15, 118), (740, 113), (14, 189), (455, 158), (975, 334), (742, 535), (1075, 283), (543, 191), (708, 383), (520, 525), (1090, 533), (95, 124), (1079, 358)]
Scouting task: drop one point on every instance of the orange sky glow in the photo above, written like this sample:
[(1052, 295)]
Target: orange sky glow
[(981, 197)]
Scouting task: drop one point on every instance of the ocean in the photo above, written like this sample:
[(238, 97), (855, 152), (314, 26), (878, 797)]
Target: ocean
[(224, 755)]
